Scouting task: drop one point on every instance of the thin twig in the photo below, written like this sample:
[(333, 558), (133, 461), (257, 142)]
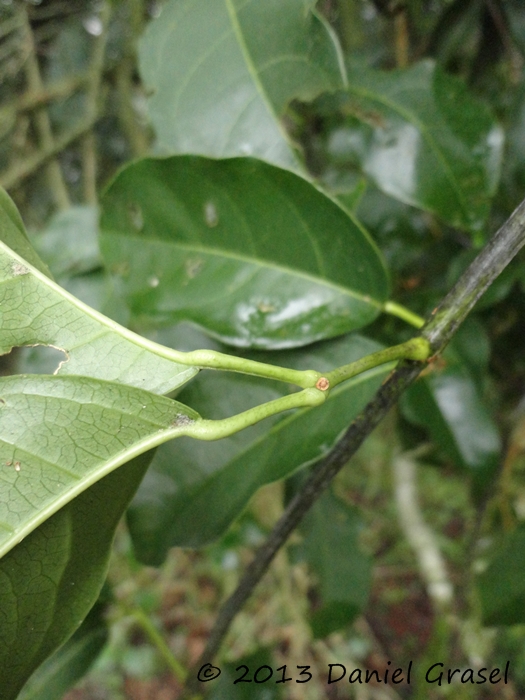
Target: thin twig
[(127, 114), (43, 122), (445, 320), (89, 151), (58, 90), (15, 175)]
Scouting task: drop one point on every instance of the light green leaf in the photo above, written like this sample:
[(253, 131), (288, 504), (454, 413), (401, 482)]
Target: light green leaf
[(50, 581), (194, 490), (331, 548), (223, 72), (71, 661), (36, 311), (60, 435), (255, 254), (13, 233), (423, 138)]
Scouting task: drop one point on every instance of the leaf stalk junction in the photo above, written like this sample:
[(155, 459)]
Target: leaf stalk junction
[(315, 386)]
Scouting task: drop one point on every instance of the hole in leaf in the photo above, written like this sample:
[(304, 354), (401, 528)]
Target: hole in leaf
[(37, 359)]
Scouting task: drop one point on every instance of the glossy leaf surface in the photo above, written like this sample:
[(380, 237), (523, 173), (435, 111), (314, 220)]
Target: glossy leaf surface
[(421, 137), (60, 435), (36, 311), (448, 404), (502, 585), (331, 548), (50, 581), (223, 72), (255, 254), (194, 490)]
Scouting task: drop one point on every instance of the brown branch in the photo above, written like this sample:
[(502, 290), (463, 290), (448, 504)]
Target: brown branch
[(33, 99), (14, 176)]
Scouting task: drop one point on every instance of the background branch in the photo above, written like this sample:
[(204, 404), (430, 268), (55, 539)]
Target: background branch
[(444, 322)]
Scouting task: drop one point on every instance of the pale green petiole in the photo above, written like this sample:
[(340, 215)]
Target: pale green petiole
[(209, 359), (218, 429), (414, 349), (394, 309)]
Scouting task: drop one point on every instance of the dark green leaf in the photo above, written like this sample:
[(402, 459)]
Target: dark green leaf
[(71, 661), (194, 490), (50, 581), (447, 403), (222, 74), (255, 254), (331, 548), (502, 585), (422, 138)]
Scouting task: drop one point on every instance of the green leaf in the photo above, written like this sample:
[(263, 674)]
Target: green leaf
[(447, 403), (255, 254), (50, 581), (222, 74), (71, 661), (502, 585), (60, 435), (423, 138), (36, 311), (331, 547), (194, 490), (69, 243)]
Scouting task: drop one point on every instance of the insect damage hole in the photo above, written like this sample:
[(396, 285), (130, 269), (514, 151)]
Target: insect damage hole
[(39, 359)]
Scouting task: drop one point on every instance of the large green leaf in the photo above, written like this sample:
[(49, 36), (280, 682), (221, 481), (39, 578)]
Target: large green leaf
[(502, 585), (331, 547), (423, 138), (194, 490), (255, 254), (448, 404), (36, 311), (223, 72), (60, 435), (71, 661), (50, 581)]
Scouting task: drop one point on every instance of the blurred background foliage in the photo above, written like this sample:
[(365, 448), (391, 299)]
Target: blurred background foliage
[(353, 586)]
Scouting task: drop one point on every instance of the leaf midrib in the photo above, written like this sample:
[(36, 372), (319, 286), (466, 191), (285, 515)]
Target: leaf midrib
[(413, 119), (252, 70), (193, 248)]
